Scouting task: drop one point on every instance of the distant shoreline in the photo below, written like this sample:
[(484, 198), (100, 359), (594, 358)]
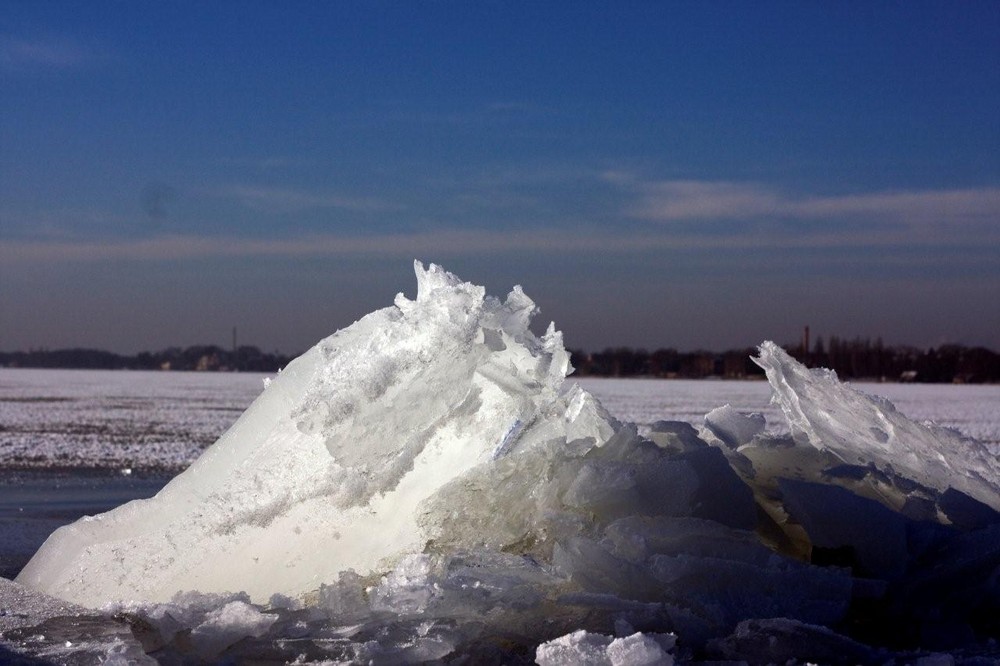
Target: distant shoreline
[(854, 360)]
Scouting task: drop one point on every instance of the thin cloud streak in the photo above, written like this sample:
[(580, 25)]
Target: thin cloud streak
[(685, 200), (277, 200), (680, 200), (439, 243), (18, 54), (271, 163)]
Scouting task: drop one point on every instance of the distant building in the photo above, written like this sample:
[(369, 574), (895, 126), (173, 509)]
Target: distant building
[(207, 362)]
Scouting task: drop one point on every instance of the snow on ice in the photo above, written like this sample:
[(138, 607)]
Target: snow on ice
[(422, 486)]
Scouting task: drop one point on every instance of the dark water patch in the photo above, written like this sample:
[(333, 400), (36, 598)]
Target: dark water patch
[(35, 502)]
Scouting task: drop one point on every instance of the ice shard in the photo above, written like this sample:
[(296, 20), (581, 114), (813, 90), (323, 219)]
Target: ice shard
[(867, 430)]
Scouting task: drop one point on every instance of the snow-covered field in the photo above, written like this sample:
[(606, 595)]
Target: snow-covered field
[(123, 419), (103, 418), (974, 410)]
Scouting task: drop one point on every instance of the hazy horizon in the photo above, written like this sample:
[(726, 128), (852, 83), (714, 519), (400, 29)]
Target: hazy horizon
[(653, 174), (790, 342)]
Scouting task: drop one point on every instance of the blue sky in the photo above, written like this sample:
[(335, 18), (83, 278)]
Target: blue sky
[(654, 174)]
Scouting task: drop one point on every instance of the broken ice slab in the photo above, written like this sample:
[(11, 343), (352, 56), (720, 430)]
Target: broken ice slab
[(966, 512), (733, 428), (782, 640), (582, 648), (853, 531), (36, 628), (676, 436), (867, 430)]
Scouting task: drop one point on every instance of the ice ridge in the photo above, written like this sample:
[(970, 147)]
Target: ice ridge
[(325, 471), (422, 486)]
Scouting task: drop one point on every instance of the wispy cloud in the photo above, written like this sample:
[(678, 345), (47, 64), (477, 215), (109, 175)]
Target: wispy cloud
[(21, 54), (959, 219), (63, 223), (916, 206), (685, 200), (181, 247), (268, 163), (437, 243), (691, 200), (278, 200)]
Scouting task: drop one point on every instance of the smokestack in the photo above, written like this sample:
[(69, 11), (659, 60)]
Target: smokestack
[(805, 341), (234, 339)]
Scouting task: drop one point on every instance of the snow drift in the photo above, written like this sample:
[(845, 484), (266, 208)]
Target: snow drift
[(421, 485)]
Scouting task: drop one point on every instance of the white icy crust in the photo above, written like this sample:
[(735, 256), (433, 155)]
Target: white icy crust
[(582, 648), (326, 470), (867, 430)]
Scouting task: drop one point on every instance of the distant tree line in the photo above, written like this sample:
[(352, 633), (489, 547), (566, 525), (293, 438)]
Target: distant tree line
[(201, 357), (863, 358), (851, 359), (669, 363)]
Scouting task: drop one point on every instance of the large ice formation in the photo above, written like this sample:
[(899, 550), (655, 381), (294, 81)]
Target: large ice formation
[(327, 469), (421, 486)]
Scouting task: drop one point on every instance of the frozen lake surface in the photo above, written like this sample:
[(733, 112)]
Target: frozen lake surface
[(974, 410), (66, 436), (116, 419), (163, 420)]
